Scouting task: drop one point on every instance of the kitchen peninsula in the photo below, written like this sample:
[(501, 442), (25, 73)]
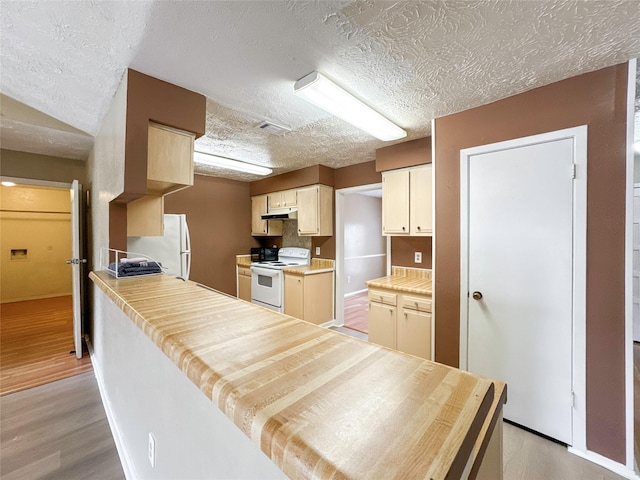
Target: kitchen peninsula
[(317, 403)]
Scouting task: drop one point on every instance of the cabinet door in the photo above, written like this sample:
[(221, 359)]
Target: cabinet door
[(294, 296), (145, 216), (308, 215), (420, 201), (275, 200), (258, 208), (169, 159), (318, 298), (290, 198), (244, 284), (395, 202), (382, 324), (414, 333)]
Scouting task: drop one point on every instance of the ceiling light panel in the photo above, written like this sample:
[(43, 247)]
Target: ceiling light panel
[(323, 93), (229, 164)]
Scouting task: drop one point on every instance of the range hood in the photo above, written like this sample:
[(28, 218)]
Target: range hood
[(281, 214)]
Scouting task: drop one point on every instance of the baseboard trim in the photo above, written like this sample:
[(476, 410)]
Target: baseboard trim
[(330, 323), (127, 465), (605, 462), (353, 294)]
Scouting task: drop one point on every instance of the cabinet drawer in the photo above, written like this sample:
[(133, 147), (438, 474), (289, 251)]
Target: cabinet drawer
[(416, 303), (378, 296)]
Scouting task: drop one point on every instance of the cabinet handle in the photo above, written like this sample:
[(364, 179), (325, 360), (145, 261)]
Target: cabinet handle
[(299, 281), (299, 230), (405, 315), (477, 295), (418, 227), (390, 311), (403, 229)]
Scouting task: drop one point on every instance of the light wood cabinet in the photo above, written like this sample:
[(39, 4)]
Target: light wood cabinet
[(244, 283), (259, 227), (309, 297), (407, 201), (169, 168), (284, 199), (395, 202), (169, 159), (421, 201), (400, 321), (145, 216), (382, 324), (315, 211)]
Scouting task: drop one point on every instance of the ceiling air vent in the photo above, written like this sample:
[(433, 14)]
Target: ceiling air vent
[(273, 128)]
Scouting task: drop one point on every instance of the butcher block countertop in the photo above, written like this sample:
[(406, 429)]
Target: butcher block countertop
[(318, 265), (243, 260), (411, 280), (319, 403)]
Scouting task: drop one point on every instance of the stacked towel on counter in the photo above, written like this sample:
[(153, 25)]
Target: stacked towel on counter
[(131, 268)]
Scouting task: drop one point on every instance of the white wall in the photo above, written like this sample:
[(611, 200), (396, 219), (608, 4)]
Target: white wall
[(364, 245), (146, 392), (105, 167)]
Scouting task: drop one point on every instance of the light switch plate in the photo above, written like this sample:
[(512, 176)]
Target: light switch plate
[(418, 257), (317, 250)]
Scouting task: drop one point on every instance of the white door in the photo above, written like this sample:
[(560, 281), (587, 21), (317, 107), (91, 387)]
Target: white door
[(76, 263), (520, 279), (636, 263)]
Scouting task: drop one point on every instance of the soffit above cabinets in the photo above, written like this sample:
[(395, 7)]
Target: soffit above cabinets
[(413, 61)]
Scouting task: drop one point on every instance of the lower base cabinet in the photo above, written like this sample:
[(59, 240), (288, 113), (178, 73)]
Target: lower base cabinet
[(400, 321), (309, 297), (244, 283)]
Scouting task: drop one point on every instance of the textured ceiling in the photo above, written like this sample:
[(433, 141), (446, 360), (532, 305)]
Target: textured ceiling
[(413, 61)]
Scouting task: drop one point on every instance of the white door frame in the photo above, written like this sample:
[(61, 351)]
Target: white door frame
[(631, 462), (339, 314), (77, 326), (579, 137)]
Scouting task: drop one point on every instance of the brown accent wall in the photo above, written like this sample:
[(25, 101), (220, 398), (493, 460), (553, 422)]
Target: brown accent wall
[(219, 218), (404, 248), (296, 179), (597, 99), (150, 99), (406, 154), (356, 175)]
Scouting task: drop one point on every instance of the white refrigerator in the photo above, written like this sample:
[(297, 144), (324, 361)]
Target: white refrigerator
[(172, 250)]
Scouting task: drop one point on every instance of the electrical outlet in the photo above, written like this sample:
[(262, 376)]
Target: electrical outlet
[(317, 250), (348, 278), (152, 450), (418, 257)]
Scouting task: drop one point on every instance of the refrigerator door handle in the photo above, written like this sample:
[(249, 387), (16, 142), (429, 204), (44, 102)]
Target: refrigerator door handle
[(188, 251)]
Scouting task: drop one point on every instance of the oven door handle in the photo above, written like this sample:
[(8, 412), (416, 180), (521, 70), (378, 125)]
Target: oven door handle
[(267, 272)]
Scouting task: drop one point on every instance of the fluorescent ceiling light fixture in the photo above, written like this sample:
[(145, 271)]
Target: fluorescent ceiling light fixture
[(221, 162), (8, 184), (323, 93)]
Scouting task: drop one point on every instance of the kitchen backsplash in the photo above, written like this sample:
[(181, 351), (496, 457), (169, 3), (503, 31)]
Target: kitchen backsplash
[(290, 236)]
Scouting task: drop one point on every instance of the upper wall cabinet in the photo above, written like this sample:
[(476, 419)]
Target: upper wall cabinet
[(315, 211), (259, 227), (285, 199), (169, 159), (407, 201)]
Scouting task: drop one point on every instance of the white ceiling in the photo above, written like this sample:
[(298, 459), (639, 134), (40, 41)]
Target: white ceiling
[(413, 61)]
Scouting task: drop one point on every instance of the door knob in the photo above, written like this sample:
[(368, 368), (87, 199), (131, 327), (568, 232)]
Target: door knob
[(477, 296)]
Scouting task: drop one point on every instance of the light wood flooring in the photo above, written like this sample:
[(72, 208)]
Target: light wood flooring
[(356, 312), (57, 431), (36, 338)]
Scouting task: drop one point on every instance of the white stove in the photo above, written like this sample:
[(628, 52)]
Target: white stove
[(267, 278)]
